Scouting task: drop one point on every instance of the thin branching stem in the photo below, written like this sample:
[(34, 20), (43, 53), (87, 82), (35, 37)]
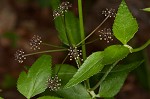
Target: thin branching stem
[(51, 45), (48, 51), (93, 30), (61, 63)]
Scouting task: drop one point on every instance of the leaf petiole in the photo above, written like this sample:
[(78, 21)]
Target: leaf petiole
[(142, 47)]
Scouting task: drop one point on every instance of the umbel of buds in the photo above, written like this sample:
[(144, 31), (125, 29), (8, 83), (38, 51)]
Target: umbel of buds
[(63, 7), (35, 42), (109, 12), (19, 56), (54, 83), (106, 35), (74, 53)]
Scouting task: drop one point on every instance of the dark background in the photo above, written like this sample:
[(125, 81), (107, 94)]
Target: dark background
[(21, 19)]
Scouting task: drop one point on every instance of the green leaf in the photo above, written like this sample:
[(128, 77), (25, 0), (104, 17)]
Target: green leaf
[(146, 9), (91, 66), (112, 84), (120, 68), (49, 97), (125, 26), (33, 83), (65, 73), (75, 92), (95, 63), (54, 4), (114, 81), (114, 53), (128, 67), (72, 28)]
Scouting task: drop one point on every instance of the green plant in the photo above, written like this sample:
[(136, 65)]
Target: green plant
[(64, 80)]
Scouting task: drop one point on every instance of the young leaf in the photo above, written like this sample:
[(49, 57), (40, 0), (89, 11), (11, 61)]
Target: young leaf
[(65, 73), (34, 82), (125, 26), (114, 81), (95, 63), (146, 9), (49, 97), (91, 66)]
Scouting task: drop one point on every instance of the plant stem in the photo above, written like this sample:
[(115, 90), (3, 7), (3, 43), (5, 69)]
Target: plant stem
[(82, 28), (93, 31), (60, 65), (51, 45), (82, 36), (142, 47), (103, 78), (92, 41), (48, 51)]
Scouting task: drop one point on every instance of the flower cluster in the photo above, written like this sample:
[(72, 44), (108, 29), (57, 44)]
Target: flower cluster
[(53, 83), (35, 42), (109, 12), (74, 53), (106, 35), (63, 7), (19, 56)]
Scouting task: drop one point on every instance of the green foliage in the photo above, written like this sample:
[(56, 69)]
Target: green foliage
[(125, 26), (91, 66), (75, 92), (123, 67), (65, 73), (146, 9), (48, 97), (54, 4), (95, 63), (114, 53), (34, 82), (114, 81), (112, 84), (109, 72), (67, 26)]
